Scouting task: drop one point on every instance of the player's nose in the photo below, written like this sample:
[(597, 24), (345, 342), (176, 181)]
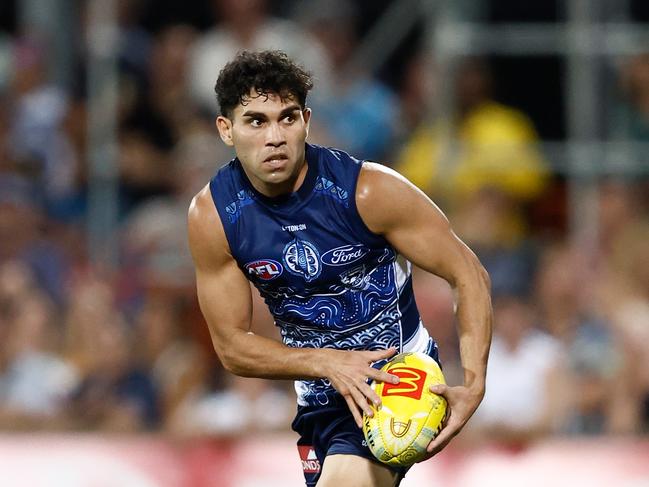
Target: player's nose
[(275, 135)]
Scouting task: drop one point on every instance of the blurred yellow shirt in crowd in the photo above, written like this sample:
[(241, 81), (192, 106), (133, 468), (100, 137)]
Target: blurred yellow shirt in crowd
[(494, 147)]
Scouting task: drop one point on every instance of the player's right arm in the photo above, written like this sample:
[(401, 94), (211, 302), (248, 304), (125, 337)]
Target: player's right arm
[(226, 303)]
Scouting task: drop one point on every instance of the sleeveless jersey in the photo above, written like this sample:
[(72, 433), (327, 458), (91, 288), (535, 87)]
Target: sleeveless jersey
[(327, 279)]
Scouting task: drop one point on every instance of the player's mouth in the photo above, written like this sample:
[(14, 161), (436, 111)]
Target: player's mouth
[(276, 160)]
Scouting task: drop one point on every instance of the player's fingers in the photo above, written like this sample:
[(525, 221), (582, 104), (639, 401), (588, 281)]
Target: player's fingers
[(353, 407), (370, 394), (447, 433), (382, 376), (436, 446), (439, 389), (361, 401), (381, 354)]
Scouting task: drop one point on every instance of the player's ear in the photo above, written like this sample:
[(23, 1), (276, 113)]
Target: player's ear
[(306, 114), (224, 126)]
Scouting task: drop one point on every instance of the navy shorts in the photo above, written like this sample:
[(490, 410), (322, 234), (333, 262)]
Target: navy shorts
[(329, 430)]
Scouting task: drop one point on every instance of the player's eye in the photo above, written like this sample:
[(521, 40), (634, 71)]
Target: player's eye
[(289, 119), (256, 122)]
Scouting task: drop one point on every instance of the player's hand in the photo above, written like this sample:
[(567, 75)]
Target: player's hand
[(348, 372), (462, 403)]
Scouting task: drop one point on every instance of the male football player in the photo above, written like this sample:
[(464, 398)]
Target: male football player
[(328, 241)]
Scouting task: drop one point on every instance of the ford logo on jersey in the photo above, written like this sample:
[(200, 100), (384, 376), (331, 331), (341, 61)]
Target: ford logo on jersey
[(265, 269), (345, 254)]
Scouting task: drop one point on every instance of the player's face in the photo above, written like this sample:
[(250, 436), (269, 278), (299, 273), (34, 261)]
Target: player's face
[(268, 135)]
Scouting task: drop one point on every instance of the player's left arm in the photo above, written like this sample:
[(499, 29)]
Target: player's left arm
[(393, 207)]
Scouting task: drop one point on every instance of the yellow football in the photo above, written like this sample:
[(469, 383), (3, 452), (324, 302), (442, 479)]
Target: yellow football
[(410, 416)]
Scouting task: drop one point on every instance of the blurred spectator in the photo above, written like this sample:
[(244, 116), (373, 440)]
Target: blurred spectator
[(114, 395), (38, 143), (632, 120), (156, 327), (115, 392), (5, 60), (34, 380), (486, 179), (624, 295), (416, 95), (620, 207), (16, 282), (245, 24), (246, 405), (524, 364), (163, 108), (355, 111), (155, 114), (132, 45), (154, 233), (26, 235), (91, 303), (19, 216), (143, 169), (133, 41), (490, 223), (240, 405), (177, 366), (594, 378), (495, 145)]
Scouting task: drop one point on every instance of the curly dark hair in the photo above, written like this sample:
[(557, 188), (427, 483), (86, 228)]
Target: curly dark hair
[(264, 72)]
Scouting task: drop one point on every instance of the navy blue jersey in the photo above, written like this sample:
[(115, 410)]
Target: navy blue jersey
[(327, 279)]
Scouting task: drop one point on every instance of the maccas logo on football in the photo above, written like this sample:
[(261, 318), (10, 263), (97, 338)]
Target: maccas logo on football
[(411, 382), (265, 269)]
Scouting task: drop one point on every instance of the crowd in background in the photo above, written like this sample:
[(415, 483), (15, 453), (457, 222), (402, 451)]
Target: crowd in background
[(83, 348)]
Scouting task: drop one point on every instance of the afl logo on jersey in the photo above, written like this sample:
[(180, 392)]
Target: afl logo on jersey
[(265, 269), (345, 254), (302, 259)]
